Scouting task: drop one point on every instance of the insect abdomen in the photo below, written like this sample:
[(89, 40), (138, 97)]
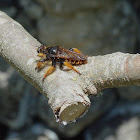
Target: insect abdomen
[(77, 62)]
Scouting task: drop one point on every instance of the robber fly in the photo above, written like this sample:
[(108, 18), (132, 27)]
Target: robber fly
[(61, 56)]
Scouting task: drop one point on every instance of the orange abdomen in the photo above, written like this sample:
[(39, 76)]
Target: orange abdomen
[(77, 62)]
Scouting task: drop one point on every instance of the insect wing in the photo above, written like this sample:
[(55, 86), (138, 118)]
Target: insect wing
[(67, 54)]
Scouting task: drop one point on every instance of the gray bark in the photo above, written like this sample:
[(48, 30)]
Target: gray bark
[(67, 92)]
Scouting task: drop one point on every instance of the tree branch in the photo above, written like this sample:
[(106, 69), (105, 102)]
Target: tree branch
[(67, 92)]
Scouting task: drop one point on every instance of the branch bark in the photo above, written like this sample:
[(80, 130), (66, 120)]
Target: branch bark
[(67, 92)]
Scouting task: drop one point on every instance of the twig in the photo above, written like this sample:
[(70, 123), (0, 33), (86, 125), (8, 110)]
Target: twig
[(67, 92)]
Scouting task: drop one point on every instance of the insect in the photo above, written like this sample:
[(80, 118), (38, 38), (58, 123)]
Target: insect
[(61, 56)]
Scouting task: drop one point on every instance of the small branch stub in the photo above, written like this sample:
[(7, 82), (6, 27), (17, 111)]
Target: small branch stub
[(69, 113)]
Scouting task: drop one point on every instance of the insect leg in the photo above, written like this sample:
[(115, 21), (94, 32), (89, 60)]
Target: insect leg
[(43, 60), (61, 63), (75, 50), (40, 54), (40, 63), (71, 67), (50, 70)]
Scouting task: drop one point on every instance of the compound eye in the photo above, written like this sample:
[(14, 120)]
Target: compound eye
[(53, 51), (38, 50)]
